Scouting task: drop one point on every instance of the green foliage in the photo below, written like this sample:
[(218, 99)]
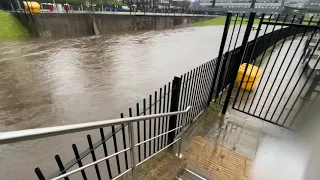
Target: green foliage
[(220, 20), (10, 27)]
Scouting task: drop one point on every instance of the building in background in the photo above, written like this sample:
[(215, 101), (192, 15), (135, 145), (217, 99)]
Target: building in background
[(307, 8)]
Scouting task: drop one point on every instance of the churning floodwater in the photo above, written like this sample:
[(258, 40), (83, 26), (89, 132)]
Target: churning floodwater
[(57, 82)]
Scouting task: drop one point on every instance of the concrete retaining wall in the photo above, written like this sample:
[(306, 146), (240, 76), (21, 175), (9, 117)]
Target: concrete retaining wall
[(75, 25)]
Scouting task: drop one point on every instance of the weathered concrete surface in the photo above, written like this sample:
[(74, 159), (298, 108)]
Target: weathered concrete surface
[(239, 146), (162, 166), (75, 25)]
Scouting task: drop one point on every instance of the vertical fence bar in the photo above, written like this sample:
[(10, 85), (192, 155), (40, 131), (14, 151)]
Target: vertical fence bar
[(105, 151), (308, 78), (124, 139), (167, 118), (93, 156), (61, 167), (159, 119), (184, 118), (24, 10), (293, 56), (208, 76), (197, 99), (150, 112), (223, 42), (76, 153), (237, 64), (186, 90), (182, 99), (176, 84), (39, 174), (222, 73), (212, 67), (163, 110), (251, 56), (202, 88), (232, 55), (246, 68), (132, 151), (115, 147), (282, 63), (269, 40), (138, 129), (260, 51), (180, 103), (155, 121), (144, 129), (274, 63), (205, 90), (192, 90), (224, 63), (196, 92)]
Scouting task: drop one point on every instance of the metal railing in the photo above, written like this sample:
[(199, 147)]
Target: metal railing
[(32, 134)]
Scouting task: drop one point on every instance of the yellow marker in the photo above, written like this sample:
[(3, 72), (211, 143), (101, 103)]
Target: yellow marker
[(252, 76), (31, 6)]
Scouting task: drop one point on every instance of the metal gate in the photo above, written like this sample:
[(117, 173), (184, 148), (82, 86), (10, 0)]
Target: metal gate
[(285, 49)]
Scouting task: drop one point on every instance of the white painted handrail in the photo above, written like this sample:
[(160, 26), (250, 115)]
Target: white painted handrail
[(31, 134)]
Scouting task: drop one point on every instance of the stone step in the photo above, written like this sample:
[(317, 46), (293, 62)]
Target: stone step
[(190, 175), (162, 166)]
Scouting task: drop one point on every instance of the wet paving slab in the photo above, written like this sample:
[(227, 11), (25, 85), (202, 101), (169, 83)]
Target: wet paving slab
[(239, 146), (278, 94)]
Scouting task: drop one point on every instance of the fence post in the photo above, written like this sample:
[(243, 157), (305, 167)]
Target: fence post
[(174, 106), (234, 70), (223, 42)]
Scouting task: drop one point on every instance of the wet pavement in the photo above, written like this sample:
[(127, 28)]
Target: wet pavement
[(278, 94), (239, 146)]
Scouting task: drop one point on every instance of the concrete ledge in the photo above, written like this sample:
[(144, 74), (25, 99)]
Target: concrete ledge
[(76, 25)]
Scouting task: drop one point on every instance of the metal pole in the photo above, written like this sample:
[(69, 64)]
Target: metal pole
[(213, 3), (132, 151), (234, 71), (282, 3), (182, 133), (223, 42), (176, 84), (253, 2)]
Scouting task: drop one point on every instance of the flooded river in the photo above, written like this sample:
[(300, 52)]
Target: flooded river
[(57, 82)]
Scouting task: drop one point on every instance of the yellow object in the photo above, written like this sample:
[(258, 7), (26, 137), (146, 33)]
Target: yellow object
[(31, 6), (251, 77)]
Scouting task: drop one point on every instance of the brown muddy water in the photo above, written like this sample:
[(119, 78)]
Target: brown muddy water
[(56, 82)]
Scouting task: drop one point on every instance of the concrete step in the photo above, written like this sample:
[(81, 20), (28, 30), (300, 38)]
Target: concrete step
[(162, 166), (190, 175)]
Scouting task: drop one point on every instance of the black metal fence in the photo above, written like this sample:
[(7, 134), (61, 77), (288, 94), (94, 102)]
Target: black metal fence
[(196, 88), (191, 88), (17, 8), (274, 99), (77, 6)]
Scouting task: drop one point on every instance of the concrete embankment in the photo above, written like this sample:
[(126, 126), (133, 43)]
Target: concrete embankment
[(75, 25)]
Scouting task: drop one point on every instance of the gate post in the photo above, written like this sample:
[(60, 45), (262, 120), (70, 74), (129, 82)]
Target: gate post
[(174, 106), (223, 42), (234, 70)]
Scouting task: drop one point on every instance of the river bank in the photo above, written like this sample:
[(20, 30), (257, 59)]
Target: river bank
[(10, 27), (221, 21)]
